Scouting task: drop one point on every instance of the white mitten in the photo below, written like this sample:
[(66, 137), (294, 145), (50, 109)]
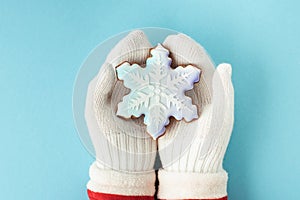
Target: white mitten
[(192, 153), (125, 153)]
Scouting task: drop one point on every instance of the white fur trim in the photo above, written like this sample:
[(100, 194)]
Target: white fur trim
[(122, 183), (190, 185)]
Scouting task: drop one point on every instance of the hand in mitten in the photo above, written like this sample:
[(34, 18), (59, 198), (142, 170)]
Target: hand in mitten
[(192, 153), (125, 153)]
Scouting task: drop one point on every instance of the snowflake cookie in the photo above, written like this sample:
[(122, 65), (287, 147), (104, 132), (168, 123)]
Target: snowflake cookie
[(157, 91)]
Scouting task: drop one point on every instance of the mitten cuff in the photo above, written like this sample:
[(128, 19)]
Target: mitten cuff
[(191, 185), (121, 183)]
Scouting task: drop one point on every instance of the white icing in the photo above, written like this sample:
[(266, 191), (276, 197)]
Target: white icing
[(157, 91)]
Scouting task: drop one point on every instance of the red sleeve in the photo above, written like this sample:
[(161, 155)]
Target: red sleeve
[(102, 196), (223, 198)]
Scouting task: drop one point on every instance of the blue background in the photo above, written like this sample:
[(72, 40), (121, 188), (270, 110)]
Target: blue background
[(42, 45)]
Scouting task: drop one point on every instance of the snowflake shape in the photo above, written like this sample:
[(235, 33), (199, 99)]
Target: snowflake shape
[(157, 91)]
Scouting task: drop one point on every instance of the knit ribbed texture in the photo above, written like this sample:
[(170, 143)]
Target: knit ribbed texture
[(123, 151), (198, 147), (187, 150)]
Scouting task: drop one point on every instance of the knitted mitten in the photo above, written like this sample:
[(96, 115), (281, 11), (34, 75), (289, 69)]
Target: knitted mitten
[(192, 153), (125, 153)]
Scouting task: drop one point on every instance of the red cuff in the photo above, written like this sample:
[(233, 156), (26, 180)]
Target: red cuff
[(223, 198), (102, 196)]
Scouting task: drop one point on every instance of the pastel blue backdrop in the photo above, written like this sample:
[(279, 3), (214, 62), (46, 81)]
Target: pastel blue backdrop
[(43, 43)]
